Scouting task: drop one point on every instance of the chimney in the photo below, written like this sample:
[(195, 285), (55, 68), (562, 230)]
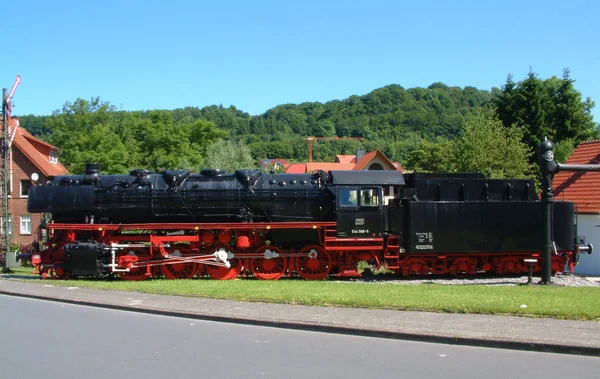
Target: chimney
[(359, 154), (92, 169)]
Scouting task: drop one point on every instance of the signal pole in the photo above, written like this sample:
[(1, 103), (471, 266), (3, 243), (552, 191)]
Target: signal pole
[(4, 182), (4, 173)]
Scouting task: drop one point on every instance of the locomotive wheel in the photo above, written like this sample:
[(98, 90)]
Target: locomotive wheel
[(184, 270), (268, 268), (136, 273), (179, 270), (510, 265), (59, 273), (314, 263), (224, 273)]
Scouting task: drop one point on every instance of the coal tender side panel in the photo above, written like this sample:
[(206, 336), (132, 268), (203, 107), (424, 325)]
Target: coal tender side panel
[(465, 227)]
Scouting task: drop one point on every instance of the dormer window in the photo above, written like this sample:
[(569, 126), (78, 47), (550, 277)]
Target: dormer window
[(53, 157)]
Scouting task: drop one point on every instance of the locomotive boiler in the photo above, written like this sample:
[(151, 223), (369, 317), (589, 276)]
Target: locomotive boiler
[(180, 224)]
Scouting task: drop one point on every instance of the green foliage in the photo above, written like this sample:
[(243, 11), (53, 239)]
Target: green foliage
[(488, 147), (418, 127), (485, 146), (229, 156), (432, 157), (550, 108), (36, 125), (93, 131)]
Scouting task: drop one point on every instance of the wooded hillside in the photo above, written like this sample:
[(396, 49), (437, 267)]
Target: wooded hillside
[(419, 127)]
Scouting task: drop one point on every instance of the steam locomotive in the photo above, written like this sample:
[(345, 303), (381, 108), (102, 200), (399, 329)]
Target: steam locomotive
[(180, 224)]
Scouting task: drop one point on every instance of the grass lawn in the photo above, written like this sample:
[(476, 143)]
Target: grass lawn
[(580, 303)]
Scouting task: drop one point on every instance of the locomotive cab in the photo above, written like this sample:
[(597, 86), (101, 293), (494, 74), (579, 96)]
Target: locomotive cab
[(359, 211), (360, 208)]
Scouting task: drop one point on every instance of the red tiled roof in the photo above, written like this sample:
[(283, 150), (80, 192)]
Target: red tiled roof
[(296, 168), (362, 163), (343, 164), (582, 188), (345, 158), (37, 151), (328, 166)]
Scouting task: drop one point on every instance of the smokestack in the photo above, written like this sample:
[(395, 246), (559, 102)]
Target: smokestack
[(92, 169)]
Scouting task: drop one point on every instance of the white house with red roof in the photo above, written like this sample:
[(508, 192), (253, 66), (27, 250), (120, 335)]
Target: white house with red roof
[(583, 188), (32, 161)]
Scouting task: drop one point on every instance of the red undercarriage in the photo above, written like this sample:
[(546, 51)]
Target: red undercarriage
[(226, 251)]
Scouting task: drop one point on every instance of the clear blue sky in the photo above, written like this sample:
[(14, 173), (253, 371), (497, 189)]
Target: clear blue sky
[(258, 54)]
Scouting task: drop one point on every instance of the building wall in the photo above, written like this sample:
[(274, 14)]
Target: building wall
[(22, 170), (380, 161), (586, 227)]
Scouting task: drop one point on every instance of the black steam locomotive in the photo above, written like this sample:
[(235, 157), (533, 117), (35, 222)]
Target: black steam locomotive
[(180, 224)]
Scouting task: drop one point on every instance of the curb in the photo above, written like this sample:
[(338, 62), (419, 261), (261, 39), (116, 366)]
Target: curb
[(323, 328)]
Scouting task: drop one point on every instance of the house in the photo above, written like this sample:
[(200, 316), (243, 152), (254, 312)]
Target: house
[(32, 161), (373, 160), (276, 164), (583, 188)]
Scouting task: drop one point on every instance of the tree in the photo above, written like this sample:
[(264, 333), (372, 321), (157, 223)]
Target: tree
[(82, 131), (485, 146), (550, 108), (488, 147), (432, 157), (93, 131), (229, 156)]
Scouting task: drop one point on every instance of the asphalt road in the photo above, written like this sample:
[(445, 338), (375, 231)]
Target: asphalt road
[(57, 340)]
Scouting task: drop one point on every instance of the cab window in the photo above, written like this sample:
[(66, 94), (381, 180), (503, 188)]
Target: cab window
[(348, 197), (369, 197)]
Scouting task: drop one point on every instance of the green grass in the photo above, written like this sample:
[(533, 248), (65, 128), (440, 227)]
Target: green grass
[(580, 303)]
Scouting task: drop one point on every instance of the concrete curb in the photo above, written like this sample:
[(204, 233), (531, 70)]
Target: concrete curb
[(336, 329)]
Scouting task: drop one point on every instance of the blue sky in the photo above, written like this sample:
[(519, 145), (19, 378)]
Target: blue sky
[(255, 55)]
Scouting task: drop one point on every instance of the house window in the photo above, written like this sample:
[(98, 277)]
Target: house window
[(26, 224), (25, 186), (53, 157), (9, 226), (376, 166)]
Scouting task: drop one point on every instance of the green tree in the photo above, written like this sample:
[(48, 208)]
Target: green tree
[(229, 156), (550, 108), (488, 147), (432, 157), (82, 131)]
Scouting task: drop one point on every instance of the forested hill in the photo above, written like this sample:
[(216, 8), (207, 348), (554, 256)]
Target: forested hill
[(409, 125), (390, 118), (385, 113)]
